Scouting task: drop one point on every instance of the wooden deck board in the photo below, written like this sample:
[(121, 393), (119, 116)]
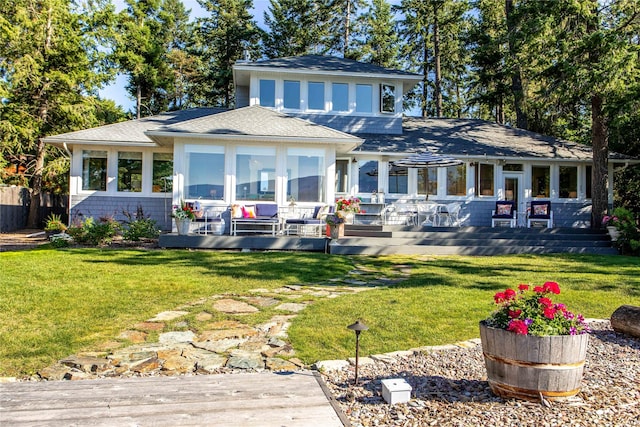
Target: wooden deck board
[(263, 399)]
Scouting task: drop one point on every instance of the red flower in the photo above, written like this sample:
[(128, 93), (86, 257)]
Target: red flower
[(552, 287), (499, 297), (523, 287), (509, 294), (538, 290), (515, 313), (518, 326), (549, 312), (546, 302)]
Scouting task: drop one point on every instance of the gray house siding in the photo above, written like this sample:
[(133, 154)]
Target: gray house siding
[(158, 209)]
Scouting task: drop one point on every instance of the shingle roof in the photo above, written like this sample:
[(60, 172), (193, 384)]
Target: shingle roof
[(326, 64), (131, 131), (470, 137), (254, 121)]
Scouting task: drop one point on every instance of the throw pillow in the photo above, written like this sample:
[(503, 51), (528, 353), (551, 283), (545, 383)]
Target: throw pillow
[(249, 211), (322, 212), (540, 209), (236, 211), (503, 209)]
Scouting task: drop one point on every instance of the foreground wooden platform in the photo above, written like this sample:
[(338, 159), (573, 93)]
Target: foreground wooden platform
[(257, 399)]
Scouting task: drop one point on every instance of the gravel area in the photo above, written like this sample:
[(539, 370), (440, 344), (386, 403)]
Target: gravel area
[(450, 389)]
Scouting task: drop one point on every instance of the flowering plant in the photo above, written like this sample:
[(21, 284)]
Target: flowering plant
[(184, 211), (610, 221), (335, 218), (531, 312), (351, 204)]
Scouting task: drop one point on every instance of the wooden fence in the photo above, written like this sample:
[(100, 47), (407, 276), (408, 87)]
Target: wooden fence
[(14, 208)]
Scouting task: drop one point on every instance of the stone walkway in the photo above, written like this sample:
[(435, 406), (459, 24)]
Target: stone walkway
[(166, 344)]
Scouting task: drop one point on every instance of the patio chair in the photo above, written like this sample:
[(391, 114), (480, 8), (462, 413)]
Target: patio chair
[(428, 214), (505, 212), (313, 224), (451, 213), (540, 212)]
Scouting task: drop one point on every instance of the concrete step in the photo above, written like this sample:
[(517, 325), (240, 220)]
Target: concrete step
[(480, 241)]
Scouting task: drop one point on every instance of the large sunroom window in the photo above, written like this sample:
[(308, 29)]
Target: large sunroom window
[(130, 171), (398, 179), (256, 173), (94, 170), (306, 171), (568, 182), (162, 172), (205, 172), (540, 176), (428, 181), (456, 180), (368, 176), (268, 93), (485, 182)]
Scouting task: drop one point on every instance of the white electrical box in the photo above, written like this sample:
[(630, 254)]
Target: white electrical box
[(396, 390)]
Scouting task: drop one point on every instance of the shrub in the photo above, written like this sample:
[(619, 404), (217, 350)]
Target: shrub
[(139, 226), (94, 233), (54, 224), (628, 242)]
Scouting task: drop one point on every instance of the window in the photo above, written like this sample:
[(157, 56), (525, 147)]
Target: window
[(428, 181), (589, 177), (204, 177), (292, 94), (316, 95), (94, 170), (513, 167), (162, 173), (364, 94), (568, 182), (305, 167), (368, 176), (268, 93), (485, 180), (457, 180), (340, 96), (256, 173), (398, 178), (130, 171), (540, 181), (387, 99), (342, 176)]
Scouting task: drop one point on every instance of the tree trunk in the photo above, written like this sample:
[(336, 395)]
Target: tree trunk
[(346, 30), (425, 78), (516, 77), (138, 100), (437, 94), (33, 220)]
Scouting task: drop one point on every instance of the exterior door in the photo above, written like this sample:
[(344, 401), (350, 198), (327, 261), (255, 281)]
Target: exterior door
[(513, 190)]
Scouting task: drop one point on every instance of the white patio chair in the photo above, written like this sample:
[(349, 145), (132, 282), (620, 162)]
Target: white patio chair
[(428, 214), (451, 218)]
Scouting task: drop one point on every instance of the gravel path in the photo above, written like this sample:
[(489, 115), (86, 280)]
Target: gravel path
[(450, 389)]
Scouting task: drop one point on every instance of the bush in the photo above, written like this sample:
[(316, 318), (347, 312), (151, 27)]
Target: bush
[(94, 233), (138, 226), (628, 242), (54, 224)]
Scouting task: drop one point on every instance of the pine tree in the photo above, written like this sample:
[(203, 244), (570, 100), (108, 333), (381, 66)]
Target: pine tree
[(295, 27), (380, 43)]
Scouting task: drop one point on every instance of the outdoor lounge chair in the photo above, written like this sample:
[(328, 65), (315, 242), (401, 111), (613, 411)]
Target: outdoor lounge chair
[(315, 222), (505, 212), (540, 212)]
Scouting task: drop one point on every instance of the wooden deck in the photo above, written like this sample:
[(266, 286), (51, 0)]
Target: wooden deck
[(257, 399)]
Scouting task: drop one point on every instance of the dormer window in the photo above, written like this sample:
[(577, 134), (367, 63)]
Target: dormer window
[(387, 98), (364, 95), (292, 94), (268, 93), (315, 95)]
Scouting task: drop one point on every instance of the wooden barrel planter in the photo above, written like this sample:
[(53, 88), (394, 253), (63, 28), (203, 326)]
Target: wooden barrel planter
[(526, 366)]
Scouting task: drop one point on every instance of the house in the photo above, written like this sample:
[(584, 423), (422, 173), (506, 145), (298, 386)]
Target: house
[(313, 128)]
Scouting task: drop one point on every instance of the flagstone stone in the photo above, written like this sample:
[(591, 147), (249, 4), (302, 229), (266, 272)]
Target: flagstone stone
[(168, 353), (178, 364), (55, 372), (149, 326), (210, 364), (220, 346), (331, 365), (254, 345), (277, 364), (167, 315), (291, 306), (204, 316), (226, 324), (232, 306), (241, 359), (86, 364), (133, 336), (146, 365), (276, 342), (226, 333), (176, 337), (262, 301)]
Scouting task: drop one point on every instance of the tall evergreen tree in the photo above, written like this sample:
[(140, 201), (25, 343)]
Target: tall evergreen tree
[(295, 27), (380, 43), (51, 66), (222, 38), (340, 18)]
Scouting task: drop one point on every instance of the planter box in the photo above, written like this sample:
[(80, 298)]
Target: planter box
[(526, 366)]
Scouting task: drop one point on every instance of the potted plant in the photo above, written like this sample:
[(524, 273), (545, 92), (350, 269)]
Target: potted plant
[(623, 229), (349, 206), (54, 225), (533, 348), (183, 216), (335, 224)]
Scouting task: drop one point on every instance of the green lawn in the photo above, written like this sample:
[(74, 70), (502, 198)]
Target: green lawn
[(54, 303)]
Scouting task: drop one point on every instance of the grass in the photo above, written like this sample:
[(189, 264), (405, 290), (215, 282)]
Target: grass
[(56, 303)]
